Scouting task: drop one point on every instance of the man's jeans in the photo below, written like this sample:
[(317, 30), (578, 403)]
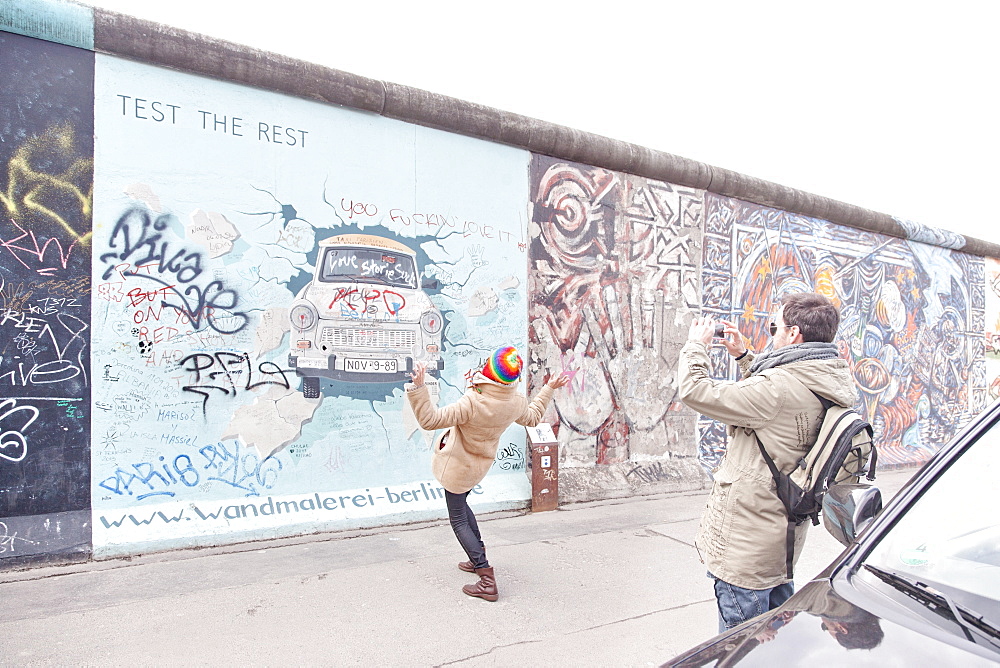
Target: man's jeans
[(737, 605), (466, 529)]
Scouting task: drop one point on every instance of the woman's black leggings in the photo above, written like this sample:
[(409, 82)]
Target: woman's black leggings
[(463, 523)]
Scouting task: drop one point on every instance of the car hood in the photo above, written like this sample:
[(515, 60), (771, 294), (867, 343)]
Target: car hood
[(366, 302), (818, 627)]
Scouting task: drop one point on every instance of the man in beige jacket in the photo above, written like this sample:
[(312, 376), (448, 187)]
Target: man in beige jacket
[(743, 528)]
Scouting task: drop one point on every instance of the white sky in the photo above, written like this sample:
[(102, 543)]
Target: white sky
[(887, 104)]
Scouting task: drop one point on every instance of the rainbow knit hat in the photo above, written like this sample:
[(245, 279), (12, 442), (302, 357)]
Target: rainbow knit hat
[(504, 365)]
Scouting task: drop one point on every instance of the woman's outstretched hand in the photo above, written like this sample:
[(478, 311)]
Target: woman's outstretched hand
[(419, 371), (559, 380)]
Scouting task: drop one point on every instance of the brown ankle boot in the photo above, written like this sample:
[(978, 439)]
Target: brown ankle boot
[(486, 588), (466, 566)]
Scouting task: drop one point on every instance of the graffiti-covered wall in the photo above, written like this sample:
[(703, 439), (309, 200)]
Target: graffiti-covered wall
[(46, 181), (912, 316), (266, 272), (619, 265), (212, 293)]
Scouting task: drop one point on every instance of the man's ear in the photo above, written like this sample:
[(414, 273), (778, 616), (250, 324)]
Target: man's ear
[(798, 335)]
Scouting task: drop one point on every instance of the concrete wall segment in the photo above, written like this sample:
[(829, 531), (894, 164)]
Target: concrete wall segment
[(614, 281), (748, 188), (181, 460), (912, 316), (53, 20), (153, 43), (593, 253)]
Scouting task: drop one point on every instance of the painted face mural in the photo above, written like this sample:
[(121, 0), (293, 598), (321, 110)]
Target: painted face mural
[(911, 316), (267, 272)]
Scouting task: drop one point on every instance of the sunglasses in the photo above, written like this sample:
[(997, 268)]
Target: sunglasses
[(773, 328)]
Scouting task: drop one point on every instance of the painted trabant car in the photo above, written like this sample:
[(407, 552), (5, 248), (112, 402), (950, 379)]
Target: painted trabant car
[(364, 317)]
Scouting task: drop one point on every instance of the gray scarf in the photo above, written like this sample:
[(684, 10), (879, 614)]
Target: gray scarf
[(796, 352)]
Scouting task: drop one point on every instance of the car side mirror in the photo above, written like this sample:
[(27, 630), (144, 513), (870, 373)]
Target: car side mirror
[(429, 284), (848, 509)]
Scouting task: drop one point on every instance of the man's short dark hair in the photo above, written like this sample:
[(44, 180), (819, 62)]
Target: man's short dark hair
[(815, 316)]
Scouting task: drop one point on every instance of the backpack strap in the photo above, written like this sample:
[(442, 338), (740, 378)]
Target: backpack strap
[(826, 403), (777, 475), (790, 528), (789, 546), (873, 460)]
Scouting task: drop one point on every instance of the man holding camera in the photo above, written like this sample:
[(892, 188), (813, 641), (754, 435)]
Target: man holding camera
[(743, 529)]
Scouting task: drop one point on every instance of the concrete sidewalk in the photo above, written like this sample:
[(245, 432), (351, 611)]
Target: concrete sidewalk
[(613, 583)]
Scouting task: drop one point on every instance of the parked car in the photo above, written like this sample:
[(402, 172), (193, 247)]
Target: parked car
[(919, 582), (364, 317)]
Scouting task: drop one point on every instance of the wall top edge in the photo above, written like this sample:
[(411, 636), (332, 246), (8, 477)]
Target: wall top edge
[(57, 21), (125, 36)]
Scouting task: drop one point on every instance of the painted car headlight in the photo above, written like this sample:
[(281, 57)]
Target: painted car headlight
[(303, 317), (431, 322)]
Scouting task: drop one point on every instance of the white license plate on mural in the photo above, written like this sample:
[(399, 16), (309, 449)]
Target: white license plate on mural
[(312, 363), (369, 366)]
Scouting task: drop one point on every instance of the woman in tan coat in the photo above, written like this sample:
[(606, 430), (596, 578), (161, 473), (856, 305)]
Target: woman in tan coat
[(464, 452)]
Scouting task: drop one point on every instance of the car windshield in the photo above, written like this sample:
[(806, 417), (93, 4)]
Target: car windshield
[(369, 265), (949, 539)]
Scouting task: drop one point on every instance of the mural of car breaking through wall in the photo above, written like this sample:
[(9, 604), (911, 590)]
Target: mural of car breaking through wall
[(209, 312)]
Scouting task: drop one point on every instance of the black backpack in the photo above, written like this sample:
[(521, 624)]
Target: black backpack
[(843, 451)]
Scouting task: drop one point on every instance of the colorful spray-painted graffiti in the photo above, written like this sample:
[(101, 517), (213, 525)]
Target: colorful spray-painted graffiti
[(912, 316), (614, 277), (46, 176), (257, 329)]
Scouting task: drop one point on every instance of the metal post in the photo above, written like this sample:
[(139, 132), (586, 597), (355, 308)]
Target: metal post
[(544, 467)]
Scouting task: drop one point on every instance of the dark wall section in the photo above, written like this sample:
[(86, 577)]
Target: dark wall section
[(46, 193)]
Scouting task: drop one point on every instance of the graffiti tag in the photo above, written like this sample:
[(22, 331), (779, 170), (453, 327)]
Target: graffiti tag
[(239, 468), (220, 372), (8, 541), (34, 330), (142, 245), (366, 301), (33, 251), (13, 443)]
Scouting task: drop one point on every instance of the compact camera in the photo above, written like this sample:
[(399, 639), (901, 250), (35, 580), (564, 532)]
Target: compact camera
[(720, 331)]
